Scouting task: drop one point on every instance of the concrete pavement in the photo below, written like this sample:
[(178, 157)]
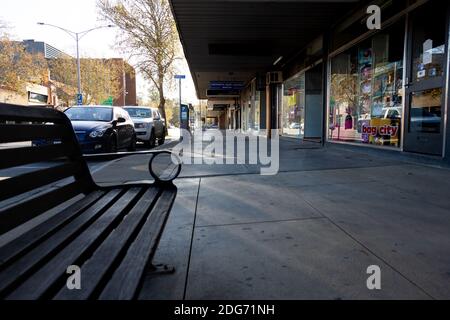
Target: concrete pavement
[(309, 232)]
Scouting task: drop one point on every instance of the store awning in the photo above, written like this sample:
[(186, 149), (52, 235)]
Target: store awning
[(232, 40)]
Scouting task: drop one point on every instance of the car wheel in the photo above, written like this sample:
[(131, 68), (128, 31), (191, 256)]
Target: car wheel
[(162, 140), (112, 144), (132, 146), (152, 141)]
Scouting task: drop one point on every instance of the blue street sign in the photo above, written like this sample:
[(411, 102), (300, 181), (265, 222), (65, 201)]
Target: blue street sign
[(180, 76), (79, 99), (226, 85)]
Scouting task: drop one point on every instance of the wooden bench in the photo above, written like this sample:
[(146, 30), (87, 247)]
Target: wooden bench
[(111, 233)]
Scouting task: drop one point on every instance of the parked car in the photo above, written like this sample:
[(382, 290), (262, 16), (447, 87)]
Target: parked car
[(148, 124), (102, 128)]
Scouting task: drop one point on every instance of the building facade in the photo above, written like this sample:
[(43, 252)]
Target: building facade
[(127, 83), (349, 83), (48, 51)]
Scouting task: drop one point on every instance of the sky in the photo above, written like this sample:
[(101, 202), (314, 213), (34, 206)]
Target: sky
[(22, 17)]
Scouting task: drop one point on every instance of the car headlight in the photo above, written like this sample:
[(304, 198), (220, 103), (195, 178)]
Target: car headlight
[(97, 133), (139, 125)]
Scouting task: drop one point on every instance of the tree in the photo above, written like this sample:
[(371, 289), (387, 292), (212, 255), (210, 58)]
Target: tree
[(18, 67), (173, 112), (100, 79), (149, 35)]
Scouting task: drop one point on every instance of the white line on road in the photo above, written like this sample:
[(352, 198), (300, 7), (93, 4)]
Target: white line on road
[(94, 170)]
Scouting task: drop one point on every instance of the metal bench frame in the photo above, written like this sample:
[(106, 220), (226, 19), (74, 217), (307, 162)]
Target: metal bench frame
[(111, 233)]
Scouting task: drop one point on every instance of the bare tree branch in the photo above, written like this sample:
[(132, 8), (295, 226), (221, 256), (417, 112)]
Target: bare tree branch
[(148, 35)]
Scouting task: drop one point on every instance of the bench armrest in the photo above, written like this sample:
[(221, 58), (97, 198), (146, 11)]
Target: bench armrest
[(161, 172), (120, 155)]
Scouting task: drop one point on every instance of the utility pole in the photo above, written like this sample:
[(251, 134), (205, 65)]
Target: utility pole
[(77, 36), (77, 39)]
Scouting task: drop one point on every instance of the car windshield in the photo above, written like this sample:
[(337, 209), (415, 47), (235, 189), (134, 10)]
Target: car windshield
[(139, 112), (89, 114)]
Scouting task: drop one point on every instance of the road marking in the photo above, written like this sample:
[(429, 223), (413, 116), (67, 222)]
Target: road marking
[(94, 169)]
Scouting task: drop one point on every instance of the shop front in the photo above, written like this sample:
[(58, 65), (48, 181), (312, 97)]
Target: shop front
[(293, 107), (389, 89), (426, 74), (366, 91), (251, 108)]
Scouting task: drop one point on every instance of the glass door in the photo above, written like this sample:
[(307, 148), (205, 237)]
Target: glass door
[(425, 88)]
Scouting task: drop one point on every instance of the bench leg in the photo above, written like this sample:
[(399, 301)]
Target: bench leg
[(160, 269)]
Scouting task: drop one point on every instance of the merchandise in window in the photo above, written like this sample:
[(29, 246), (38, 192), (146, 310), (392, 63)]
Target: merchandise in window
[(366, 101)]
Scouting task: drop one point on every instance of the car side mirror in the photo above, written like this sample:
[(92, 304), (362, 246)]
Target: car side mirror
[(121, 120)]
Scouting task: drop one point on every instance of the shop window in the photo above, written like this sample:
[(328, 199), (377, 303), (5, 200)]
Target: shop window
[(426, 111), (37, 98), (429, 43), (366, 96), (257, 103), (293, 107)]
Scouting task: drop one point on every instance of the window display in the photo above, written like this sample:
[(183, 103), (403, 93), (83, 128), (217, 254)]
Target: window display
[(366, 92), (293, 108), (251, 109)]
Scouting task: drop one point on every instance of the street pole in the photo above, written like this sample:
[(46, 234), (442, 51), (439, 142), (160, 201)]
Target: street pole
[(77, 37), (78, 63), (179, 84), (179, 78)]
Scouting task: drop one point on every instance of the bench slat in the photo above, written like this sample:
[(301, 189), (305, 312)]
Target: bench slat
[(127, 277), (75, 252), (15, 272), (29, 181), (31, 238), (21, 156), (28, 132), (96, 268), (12, 217)]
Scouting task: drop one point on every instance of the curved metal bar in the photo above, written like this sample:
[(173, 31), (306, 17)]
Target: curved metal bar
[(178, 168), (119, 155)]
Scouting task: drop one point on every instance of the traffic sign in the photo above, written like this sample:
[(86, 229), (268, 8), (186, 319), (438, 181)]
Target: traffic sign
[(180, 76), (79, 99)]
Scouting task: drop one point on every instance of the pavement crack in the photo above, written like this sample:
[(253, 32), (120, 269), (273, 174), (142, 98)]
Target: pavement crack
[(258, 222), (192, 241)]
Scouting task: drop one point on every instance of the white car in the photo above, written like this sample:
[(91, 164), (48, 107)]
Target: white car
[(148, 124)]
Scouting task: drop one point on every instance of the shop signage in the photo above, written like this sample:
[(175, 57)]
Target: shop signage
[(226, 85), (391, 131), (428, 52)]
